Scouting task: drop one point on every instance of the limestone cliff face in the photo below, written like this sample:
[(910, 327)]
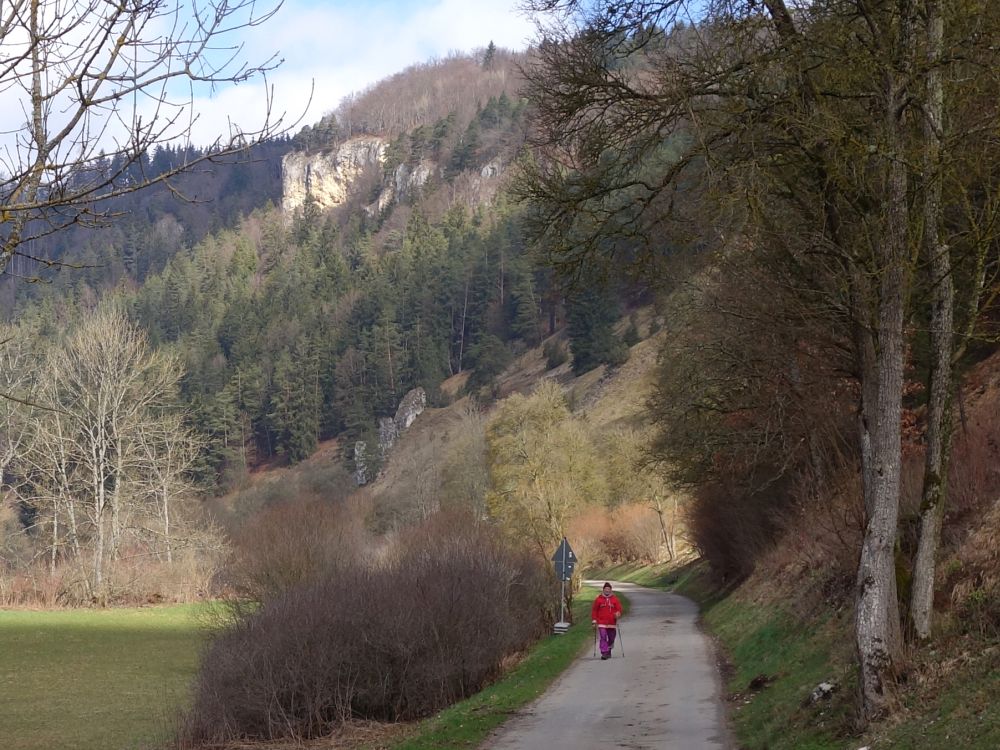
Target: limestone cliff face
[(405, 180), (328, 177)]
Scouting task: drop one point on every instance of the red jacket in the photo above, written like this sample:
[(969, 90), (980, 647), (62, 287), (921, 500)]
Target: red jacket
[(605, 610)]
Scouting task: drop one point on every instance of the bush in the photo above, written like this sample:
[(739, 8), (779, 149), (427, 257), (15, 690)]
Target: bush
[(293, 543), (732, 527), (634, 535), (393, 641), (490, 356), (556, 353)]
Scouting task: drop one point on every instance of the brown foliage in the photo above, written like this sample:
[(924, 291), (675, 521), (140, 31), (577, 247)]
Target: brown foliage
[(732, 526), (427, 92), (587, 530), (293, 543), (634, 535), (394, 640), (972, 577)]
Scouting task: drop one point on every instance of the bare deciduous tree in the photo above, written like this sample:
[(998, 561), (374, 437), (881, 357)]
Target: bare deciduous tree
[(168, 449), (105, 453), (99, 85)]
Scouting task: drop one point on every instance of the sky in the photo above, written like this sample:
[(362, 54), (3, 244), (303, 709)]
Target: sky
[(336, 48)]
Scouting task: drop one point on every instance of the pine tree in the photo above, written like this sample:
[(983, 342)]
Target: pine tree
[(591, 313)]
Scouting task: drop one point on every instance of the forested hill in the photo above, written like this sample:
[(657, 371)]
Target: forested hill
[(148, 227), (294, 326)]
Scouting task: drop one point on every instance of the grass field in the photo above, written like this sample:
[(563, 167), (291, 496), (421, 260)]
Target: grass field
[(115, 679), (94, 679)]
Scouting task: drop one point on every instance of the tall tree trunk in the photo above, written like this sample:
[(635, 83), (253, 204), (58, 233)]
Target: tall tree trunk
[(941, 391), (877, 627), (658, 509), (99, 505), (461, 339), (166, 520), (55, 537), (116, 503), (73, 536), (388, 351)]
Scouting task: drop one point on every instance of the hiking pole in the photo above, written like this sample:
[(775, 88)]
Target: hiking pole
[(595, 641), (621, 641)]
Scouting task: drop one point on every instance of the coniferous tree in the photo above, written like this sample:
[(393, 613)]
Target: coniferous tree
[(591, 313)]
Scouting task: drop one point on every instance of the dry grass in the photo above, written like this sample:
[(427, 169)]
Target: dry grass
[(529, 369), (619, 399), (354, 735)]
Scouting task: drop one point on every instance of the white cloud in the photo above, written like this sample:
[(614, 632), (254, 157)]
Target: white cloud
[(344, 47), (330, 48)]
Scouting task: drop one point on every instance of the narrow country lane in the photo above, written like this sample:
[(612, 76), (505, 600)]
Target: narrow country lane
[(663, 693)]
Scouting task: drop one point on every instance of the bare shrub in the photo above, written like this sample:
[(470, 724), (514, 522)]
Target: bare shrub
[(634, 534), (465, 475), (31, 576), (390, 641), (975, 590), (587, 530), (293, 543), (972, 585), (313, 479), (130, 581), (974, 472), (140, 579), (732, 526), (34, 585)]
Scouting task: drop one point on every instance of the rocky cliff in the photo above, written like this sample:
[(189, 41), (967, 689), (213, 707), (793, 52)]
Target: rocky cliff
[(329, 176), (389, 430)]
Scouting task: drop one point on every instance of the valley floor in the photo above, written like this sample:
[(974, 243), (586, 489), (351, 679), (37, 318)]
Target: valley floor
[(86, 679)]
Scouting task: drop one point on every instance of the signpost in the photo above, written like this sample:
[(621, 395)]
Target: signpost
[(565, 561)]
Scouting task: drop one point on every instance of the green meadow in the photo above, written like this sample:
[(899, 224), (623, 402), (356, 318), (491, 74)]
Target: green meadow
[(95, 679)]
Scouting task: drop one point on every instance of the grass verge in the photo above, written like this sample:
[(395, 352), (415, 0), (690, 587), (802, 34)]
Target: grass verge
[(964, 713), (774, 661), (467, 724), (777, 657), (95, 679)]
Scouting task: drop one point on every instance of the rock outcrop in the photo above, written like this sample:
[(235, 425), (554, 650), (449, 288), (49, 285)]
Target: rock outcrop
[(492, 168), (328, 177), (361, 463), (389, 430), (405, 181)]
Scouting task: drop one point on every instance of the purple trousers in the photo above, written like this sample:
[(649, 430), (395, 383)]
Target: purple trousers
[(607, 639)]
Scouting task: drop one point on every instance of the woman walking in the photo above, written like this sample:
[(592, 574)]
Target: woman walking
[(604, 613)]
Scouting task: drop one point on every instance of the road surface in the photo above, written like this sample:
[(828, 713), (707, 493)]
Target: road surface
[(659, 691)]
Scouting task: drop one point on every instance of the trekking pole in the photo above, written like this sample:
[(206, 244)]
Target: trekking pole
[(595, 641), (621, 641)]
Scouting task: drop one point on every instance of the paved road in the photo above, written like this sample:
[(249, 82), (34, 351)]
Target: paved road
[(662, 693)]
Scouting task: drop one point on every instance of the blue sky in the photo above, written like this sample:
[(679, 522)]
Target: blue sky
[(341, 47)]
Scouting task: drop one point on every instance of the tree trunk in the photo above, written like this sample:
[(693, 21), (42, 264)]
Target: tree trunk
[(99, 503), (877, 627), (74, 537), (461, 338), (941, 390), (116, 503), (55, 537), (166, 520), (667, 537)]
